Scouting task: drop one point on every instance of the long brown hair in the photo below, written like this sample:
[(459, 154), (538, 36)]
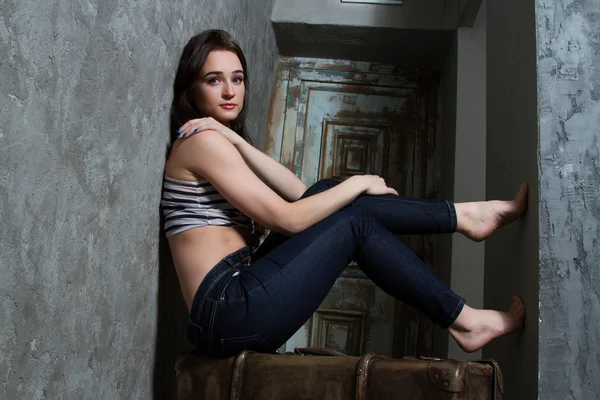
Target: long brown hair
[(184, 107), (193, 58)]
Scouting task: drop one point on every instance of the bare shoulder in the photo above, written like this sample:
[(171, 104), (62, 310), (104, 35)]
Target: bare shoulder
[(206, 141), (205, 144), (206, 152)]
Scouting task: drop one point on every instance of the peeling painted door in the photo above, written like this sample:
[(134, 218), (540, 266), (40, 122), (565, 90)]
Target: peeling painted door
[(338, 119)]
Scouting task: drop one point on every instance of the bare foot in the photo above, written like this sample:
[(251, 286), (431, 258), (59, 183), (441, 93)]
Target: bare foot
[(478, 220), (473, 329)]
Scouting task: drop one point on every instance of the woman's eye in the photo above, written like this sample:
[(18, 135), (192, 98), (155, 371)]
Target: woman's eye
[(238, 80), (213, 81)]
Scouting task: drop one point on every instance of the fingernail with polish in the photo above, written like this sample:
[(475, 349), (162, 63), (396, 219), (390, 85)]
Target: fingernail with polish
[(184, 134), (196, 130), (177, 136), (177, 131)]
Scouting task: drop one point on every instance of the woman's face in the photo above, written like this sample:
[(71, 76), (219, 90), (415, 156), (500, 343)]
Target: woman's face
[(221, 86)]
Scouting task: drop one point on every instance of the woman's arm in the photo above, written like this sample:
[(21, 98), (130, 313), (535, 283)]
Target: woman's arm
[(213, 157), (276, 176)]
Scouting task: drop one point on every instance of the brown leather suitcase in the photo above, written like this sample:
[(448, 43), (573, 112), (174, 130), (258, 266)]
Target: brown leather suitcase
[(309, 374)]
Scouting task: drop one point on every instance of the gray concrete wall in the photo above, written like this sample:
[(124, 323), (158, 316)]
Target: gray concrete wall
[(511, 254), (469, 163), (569, 210), (84, 103)]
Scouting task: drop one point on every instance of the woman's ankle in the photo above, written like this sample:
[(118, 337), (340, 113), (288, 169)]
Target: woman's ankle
[(474, 328)]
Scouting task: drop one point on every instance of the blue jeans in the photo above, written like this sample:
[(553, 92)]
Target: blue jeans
[(259, 307)]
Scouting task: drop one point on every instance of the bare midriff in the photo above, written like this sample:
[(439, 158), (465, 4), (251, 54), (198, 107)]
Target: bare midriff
[(196, 251)]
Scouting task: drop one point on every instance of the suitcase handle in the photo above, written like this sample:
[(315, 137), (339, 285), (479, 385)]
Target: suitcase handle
[(362, 371), (238, 371), (497, 381), (362, 367)]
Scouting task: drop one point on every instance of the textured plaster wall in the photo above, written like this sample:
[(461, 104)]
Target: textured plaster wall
[(84, 103), (511, 254), (569, 210)]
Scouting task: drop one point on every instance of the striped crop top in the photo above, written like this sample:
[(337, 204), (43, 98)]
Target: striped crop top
[(190, 204)]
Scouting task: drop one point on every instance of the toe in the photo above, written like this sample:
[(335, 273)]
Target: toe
[(521, 198), (517, 307)]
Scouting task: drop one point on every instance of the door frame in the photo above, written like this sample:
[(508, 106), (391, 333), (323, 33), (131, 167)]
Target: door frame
[(424, 181)]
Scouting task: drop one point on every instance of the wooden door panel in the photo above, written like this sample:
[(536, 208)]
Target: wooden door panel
[(306, 88), (354, 318), (353, 147), (342, 119)]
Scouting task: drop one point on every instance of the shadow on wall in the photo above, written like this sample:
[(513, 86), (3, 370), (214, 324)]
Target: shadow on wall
[(171, 318)]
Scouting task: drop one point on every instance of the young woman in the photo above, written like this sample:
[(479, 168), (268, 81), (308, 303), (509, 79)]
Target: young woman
[(216, 184)]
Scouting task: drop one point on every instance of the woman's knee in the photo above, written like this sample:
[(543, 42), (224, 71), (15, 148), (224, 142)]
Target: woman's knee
[(357, 224), (356, 216)]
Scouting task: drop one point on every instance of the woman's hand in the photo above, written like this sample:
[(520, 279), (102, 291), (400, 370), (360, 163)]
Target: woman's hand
[(373, 185), (205, 124)]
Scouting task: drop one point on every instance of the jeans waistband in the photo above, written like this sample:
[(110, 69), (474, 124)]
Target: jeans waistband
[(209, 286)]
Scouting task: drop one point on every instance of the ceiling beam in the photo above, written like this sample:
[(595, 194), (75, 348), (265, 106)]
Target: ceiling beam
[(469, 13)]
